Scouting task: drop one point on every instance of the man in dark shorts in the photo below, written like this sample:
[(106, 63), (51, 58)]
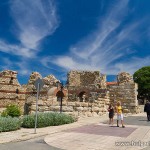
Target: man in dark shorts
[(147, 110)]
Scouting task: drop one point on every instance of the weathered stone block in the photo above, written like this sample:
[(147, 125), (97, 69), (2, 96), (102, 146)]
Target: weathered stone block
[(40, 103), (133, 104), (33, 107), (100, 113), (84, 104), (42, 108), (71, 104), (126, 111), (67, 108), (54, 108), (94, 114), (85, 108), (79, 109), (77, 104), (96, 109), (48, 103), (89, 114)]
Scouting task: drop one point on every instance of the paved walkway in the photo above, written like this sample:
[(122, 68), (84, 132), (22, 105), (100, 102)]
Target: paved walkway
[(25, 134), (90, 134), (99, 136)]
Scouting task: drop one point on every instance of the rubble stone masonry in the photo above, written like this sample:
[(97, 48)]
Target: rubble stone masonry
[(85, 95), (125, 92), (86, 78), (11, 91)]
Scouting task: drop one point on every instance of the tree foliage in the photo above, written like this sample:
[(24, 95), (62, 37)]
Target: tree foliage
[(142, 77)]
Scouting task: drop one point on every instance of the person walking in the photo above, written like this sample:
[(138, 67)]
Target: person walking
[(111, 114), (119, 114), (147, 110)]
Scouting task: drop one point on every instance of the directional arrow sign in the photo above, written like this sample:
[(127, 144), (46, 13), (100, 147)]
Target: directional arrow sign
[(39, 82)]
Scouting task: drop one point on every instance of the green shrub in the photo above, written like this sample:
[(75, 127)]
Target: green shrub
[(46, 119), (11, 110), (61, 119), (4, 113), (9, 124)]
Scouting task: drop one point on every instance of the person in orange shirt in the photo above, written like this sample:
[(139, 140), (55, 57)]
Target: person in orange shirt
[(119, 114)]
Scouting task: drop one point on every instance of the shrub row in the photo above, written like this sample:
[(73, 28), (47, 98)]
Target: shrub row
[(46, 119), (9, 124), (28, 121)]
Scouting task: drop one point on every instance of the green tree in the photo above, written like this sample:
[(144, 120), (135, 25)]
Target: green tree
[(142, 77)]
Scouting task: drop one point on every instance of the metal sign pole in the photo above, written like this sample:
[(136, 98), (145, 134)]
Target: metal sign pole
[(36, 107)]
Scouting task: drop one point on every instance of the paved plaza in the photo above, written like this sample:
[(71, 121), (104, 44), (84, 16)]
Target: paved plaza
[(92, 133), (100, 136)]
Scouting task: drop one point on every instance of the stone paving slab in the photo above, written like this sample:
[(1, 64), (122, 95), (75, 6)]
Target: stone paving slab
[(104, 130), (99, 136), (81, 141)]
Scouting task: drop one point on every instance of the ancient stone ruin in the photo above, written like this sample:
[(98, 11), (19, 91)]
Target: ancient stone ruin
[(86, 78), (86, 94), (125, 91), (11, 92)]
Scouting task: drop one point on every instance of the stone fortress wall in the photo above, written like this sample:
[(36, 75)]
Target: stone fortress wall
[(86, 93), (77, 80), (125, 91), (9, 87), (86, 78)]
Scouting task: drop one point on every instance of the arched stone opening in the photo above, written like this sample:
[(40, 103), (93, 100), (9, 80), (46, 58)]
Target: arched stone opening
[(82, 96)]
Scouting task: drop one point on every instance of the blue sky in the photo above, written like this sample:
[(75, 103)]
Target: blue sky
[(55, 36)]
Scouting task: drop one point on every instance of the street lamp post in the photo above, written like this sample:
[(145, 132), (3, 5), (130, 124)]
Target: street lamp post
[(60, 94), (61, 89)]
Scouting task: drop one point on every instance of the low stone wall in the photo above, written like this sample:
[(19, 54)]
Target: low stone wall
[(98, 107)]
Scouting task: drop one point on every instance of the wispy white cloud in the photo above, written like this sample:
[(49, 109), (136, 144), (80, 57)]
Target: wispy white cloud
[(133, 64), (6, 65), (22, 66), (109, 44), (16, 50), (35, 19)]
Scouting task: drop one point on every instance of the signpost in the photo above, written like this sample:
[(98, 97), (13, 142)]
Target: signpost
[(38, 84)]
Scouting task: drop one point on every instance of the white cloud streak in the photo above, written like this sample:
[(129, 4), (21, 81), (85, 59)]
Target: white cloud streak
[(22, 68), (16, 50), (133, 64), (36, 19), (105, 47)]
